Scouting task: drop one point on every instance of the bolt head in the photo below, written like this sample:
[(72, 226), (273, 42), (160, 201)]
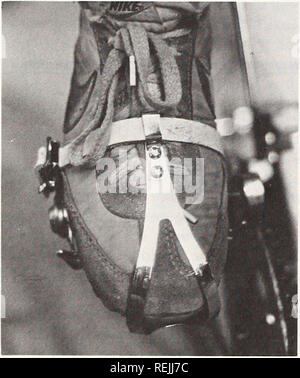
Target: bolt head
[(154, 152), (157, 171)]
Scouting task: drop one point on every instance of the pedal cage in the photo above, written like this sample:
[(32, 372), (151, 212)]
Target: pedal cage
[(52, 181)]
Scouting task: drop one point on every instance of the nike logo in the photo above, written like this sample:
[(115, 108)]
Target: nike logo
[(127, 8)]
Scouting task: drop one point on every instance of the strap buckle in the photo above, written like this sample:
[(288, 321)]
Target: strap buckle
[(49, 172)]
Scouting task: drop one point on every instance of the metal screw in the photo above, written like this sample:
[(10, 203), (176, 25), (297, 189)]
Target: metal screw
[(157, 171), (154, 152)]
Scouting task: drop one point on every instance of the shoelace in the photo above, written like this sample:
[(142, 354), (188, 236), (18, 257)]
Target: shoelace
[(130, 41)]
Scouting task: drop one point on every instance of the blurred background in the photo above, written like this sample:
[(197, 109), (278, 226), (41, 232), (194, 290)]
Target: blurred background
[(51, 309)]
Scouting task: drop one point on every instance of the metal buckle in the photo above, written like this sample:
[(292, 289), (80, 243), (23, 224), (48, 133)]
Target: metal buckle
[(49, 172)]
